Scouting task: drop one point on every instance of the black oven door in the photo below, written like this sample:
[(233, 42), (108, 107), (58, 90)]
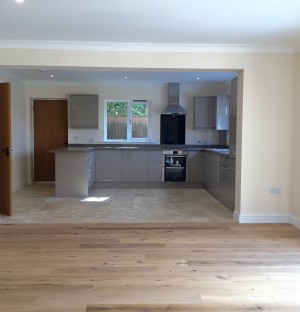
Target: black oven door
[(175, 168), (175, 174)]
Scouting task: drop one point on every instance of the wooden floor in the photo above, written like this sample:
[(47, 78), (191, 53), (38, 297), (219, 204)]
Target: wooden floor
[(162, 267)]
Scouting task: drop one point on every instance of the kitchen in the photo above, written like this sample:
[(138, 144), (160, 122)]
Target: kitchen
[(144, 163)]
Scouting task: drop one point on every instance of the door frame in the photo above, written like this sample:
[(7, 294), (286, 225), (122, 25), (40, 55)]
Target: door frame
[(32, 130)]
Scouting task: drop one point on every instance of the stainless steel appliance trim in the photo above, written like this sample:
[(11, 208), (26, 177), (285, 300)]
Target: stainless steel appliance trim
[(174, 152), (170, 168)]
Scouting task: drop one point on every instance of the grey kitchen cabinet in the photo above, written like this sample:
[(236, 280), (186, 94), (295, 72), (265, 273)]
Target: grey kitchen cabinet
[(210, 169), (194, 166), (135, 166), (83, 111), (155, 163), (227, 181), (108, 165), (222, 112), (204, 112), (219, 177), (211, 112), (73, 172), (233, 117)]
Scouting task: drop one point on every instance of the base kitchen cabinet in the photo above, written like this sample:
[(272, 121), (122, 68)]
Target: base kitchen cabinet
[(210, 170), (135, 166), (227, 181), (219, 177), (194, 166), (155, 164), (108, 165)]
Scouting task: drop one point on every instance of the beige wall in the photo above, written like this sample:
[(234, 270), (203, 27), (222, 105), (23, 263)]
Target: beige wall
[(296, 146), (265, 125), (18, 132)]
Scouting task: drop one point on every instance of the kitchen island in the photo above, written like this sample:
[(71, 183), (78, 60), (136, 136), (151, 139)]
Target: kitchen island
[(74, 172)]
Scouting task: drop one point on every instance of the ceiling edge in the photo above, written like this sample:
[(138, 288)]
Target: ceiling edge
[(146, 47)]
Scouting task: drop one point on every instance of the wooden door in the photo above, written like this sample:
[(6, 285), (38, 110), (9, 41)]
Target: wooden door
[(5, 151), (50, 132)]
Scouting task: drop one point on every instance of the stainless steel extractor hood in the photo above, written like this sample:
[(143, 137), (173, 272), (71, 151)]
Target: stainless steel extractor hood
[(173, 106)]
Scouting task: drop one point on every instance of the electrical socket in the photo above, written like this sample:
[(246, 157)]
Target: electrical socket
[(274, 190)]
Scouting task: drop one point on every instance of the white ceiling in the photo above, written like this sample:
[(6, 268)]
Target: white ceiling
[(128, 77), (154, 24)]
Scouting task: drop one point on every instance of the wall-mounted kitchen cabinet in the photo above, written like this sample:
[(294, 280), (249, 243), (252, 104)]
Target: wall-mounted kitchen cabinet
[(211, 112), (83, 111)]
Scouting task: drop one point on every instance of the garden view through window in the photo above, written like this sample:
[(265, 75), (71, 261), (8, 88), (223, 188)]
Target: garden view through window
[(127, 120)]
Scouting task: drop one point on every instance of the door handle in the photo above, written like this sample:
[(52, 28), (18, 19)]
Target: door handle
[(6, 150)]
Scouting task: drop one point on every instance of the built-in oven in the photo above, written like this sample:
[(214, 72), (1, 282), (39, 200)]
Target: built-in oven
[(174, 165)]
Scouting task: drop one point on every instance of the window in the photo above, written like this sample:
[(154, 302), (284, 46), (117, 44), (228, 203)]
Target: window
[(126, 120)]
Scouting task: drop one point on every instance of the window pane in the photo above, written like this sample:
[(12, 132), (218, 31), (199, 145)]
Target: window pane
[(117, 120), (139, 120)]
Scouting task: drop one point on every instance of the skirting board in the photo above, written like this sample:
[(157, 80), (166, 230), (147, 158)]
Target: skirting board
[(295, 222), (266, 219), (19, 186)]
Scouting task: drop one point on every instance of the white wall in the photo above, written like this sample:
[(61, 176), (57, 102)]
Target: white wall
[(265, 125), (18, 132)]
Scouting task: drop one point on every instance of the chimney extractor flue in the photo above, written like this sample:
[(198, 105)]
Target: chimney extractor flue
[(173, 106)]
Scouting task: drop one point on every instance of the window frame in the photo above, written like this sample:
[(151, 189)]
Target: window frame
[(129, 123)]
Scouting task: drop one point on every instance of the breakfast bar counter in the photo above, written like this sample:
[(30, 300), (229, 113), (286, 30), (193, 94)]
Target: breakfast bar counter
[(73, 171)]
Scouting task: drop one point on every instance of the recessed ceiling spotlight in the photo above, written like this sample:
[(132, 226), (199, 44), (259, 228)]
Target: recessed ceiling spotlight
[(125, 77), (51, 76), (198, 78), (19, 1)]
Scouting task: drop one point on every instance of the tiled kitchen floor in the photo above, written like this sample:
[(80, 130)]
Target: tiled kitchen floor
[(37, 204)]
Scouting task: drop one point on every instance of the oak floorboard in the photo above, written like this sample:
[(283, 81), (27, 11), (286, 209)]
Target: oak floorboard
[(149, 267)]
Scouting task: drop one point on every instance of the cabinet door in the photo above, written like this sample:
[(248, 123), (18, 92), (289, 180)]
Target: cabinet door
[(108, 165), (194, 166), (135, 166), (83, 111), (222, 112), (205, 112), (233, 117), (155, 166), (210, 169)]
